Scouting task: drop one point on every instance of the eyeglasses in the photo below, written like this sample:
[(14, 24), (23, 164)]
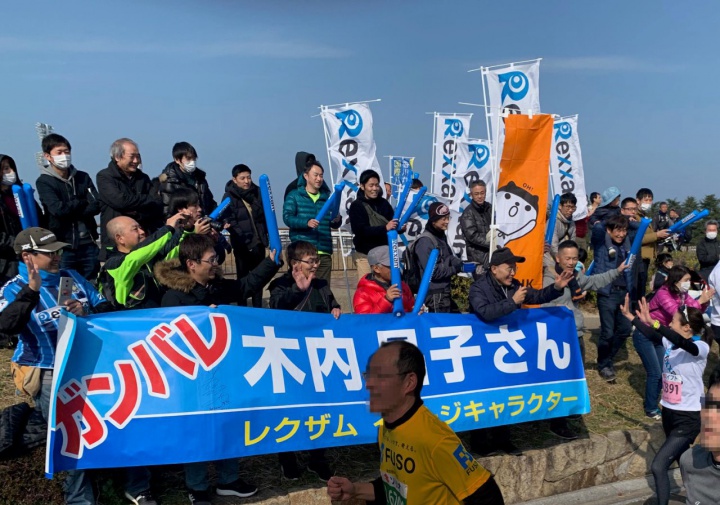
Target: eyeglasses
[(570, 206), (49, 253), (377, 375), (211, 261), (311, 261), (631, 209)]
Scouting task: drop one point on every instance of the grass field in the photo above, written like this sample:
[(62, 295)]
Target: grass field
[(614, 407)]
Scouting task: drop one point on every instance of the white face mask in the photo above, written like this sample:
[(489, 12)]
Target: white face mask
[(9, 179), (685, 286), (63, 161), (711, 235), (645, 206), (189, 167)]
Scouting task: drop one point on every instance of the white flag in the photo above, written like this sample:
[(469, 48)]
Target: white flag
[(514, 89), (419, 219), (449, 128), (566, 168), (473, 163), (351, 145)]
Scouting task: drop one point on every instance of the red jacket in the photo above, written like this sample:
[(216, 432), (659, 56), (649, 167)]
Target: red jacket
[(370, 298)]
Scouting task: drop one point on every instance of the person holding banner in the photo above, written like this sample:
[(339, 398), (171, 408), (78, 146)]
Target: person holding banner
[(248, 230), (30, 309), (614, 329), (374, 293), (194, 279), (423, 460), (371, 217), (439, 297), (71, 202), (300, 208), (10, 223), (300, 289), (475, 223)]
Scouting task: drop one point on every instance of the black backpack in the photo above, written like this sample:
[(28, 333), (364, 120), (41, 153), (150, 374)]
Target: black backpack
[(411, 266)]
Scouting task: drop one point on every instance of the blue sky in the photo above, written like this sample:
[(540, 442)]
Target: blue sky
[(241, 80)]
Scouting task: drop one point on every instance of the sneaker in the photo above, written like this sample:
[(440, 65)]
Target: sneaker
[(199, 497), (321, 469), (290, 471), (562, 430), (510, 448), (655, 415), (608, 374), (238, 488), (144, 498)]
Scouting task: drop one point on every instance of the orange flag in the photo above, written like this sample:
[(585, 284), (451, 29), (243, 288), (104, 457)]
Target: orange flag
[(522, 195)]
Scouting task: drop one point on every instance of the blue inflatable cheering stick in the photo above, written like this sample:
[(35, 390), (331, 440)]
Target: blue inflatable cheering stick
[(270, 218)]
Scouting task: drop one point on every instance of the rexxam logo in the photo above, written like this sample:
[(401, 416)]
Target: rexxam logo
[(351, 122), (515, 85), (480, 155)]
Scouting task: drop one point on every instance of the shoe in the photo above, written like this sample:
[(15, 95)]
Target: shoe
[(608, 374), (238, 488), (655, 415), (290, 471), (563, 431), (199, 497), (509, 448), (144, 498), (321, 469)]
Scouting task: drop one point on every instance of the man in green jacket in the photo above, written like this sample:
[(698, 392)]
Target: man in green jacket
[(300, 208), (126, 279)]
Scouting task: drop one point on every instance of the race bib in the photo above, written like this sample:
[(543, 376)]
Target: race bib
[(395, 491), (672, 388)]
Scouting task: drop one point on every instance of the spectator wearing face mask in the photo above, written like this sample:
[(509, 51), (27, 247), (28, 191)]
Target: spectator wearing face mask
[(708, 249), (183, 173), (650, 241), (9, 218), (71, 203)]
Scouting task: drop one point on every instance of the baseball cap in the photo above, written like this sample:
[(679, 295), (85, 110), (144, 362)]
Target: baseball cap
[(37, 239), (505, 255), (379, 256)]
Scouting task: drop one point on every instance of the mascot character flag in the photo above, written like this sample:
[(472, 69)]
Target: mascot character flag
[(522, 195)]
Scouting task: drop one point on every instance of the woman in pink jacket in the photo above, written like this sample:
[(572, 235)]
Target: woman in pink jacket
[(667, 301)]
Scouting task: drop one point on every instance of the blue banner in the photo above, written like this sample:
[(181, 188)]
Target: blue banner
[(186, 384), (401, 171)]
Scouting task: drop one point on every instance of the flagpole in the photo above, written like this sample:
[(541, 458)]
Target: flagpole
[(323, 108), (432, 166)]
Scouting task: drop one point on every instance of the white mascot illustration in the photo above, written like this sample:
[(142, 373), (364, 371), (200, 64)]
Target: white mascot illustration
[(517, 212)]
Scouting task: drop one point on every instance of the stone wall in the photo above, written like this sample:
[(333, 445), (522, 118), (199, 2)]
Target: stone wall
[(569, 466)]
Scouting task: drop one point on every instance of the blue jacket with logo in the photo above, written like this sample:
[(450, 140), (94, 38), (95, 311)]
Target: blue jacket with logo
[(601, 244), (35, 315)]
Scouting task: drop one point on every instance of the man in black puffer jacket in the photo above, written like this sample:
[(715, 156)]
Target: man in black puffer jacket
[(183, 173), (248, 229), (71, 202), (126, 191), (194, 279)]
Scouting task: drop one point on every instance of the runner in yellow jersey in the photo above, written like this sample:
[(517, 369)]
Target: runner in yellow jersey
[(421, 459)]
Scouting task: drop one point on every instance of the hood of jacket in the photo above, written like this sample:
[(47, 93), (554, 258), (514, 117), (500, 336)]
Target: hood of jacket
[(48, 170), (169, 274), (301, 160)]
